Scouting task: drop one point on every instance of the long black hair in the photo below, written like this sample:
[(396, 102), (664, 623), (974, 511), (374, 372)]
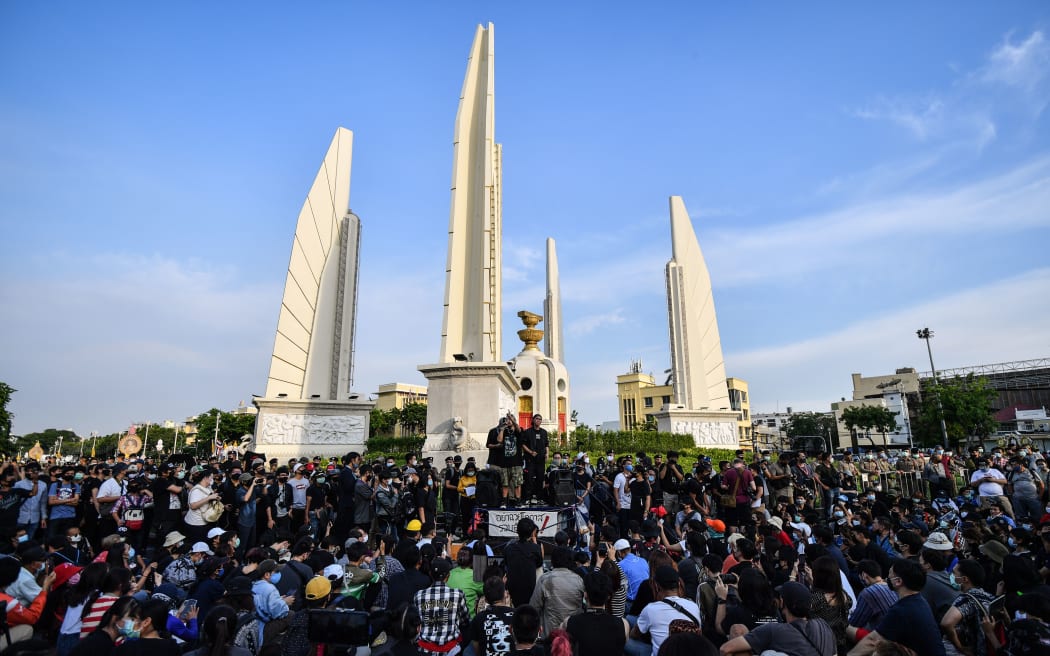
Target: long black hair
[(219, 630)]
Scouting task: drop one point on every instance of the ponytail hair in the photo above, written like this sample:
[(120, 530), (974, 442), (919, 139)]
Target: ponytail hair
[(559, 643), (219, 629)]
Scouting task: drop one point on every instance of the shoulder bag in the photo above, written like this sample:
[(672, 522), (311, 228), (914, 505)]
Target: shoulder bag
[(729, 500)]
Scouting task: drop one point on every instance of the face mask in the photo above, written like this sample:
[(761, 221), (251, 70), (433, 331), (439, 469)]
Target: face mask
[(984, 469), (839, 514), (128, 630), (798, 519), (131, 553), (878, 488), (220, 572), (389, 463), (964, 514), (629, 468), (556, 462), (74, 539), (951, 581), (42, 567), (652, 479), (23, 538), (180, 475), (320, 480), (856, 522), (609, 458), (870, 497), (78, 477), (236, 542), (275, 578), (587, 459), (1011, 542)]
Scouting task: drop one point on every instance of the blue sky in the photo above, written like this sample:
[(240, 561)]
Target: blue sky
[(853, 173)]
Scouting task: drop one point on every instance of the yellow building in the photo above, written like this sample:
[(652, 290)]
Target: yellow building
[(393, 396), (638, 397)]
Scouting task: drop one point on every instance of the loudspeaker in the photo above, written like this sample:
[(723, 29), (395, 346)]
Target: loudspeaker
[(487, 494), (562, 492)]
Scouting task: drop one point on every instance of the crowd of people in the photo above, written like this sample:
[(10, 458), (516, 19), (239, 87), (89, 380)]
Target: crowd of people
[(766, 553)]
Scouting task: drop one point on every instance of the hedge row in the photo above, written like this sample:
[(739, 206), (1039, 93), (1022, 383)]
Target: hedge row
[(597, 444)]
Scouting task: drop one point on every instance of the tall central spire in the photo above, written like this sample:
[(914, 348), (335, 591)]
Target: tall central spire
[(473, 280), (696, 350)]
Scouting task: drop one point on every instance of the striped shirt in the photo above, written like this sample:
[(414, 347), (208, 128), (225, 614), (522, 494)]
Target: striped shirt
[(89, 622), (872, 603)]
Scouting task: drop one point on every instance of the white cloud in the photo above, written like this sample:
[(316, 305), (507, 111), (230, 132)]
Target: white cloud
[(1024, 64), (878, 231), (922, 117), (983, 325), (588, 324), (123, 333)]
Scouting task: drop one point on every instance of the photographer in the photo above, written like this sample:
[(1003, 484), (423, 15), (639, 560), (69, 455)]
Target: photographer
[(509, 458), (671, 477), (747, 600), (246, 518)]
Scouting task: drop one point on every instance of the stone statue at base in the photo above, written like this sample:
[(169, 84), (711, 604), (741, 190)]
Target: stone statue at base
[(459, 438)]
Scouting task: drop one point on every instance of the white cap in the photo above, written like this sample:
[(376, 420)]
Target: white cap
[(201, 547), (334, 572), (731, 540), (621, 544), (215, 532)]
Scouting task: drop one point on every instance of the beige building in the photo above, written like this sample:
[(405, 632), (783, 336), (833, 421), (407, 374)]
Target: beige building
[(897, 392), (397, 395), (639, 397)]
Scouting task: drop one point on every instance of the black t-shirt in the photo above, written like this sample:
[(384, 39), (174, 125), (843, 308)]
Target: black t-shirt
[(495, 448), (693, 487), (597, 632), (669, 482), (316, 494), (148, 647), (521, 560), (537, 440), (98, 643), (10, 503), (491, 630), (450, 475), (640, 489)]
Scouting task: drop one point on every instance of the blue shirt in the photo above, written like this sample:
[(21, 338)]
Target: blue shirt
[(637, 570), (34, 508), (910, 622), (64, 491), (247, 516)]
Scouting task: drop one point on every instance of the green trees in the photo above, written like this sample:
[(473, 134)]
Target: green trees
[(231, 427), (869, 417), (969, 410), (802, 424), (5, 415), (412, 418)]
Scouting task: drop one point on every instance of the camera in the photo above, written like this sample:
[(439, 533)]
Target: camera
[(729, 579), (603, 550)]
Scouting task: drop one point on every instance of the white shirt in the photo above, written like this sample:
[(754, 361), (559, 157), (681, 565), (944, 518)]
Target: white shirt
[(196, 517), (657, 616), (110, 487), (988, 489), (622, 484)]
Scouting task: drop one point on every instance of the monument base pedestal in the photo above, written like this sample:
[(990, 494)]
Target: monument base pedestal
[(713, 429), (464, 401), (293, 428)]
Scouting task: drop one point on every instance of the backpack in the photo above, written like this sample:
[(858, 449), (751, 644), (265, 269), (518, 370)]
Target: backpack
[(134, 513), (406, 506)]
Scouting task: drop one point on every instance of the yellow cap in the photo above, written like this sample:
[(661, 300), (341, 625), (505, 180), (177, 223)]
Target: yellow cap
[(318, 588), (414, 525)]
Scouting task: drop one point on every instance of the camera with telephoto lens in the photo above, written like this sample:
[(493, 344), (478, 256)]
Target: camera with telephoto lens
[(729, 579)]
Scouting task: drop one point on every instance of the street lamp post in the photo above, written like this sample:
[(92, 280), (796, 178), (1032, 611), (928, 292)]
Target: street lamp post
[(926, 334)]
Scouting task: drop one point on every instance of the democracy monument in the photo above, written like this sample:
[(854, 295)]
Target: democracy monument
[(310, 407)]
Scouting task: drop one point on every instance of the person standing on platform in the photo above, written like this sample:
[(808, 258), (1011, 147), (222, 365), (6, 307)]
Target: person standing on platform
[(535, 442)]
